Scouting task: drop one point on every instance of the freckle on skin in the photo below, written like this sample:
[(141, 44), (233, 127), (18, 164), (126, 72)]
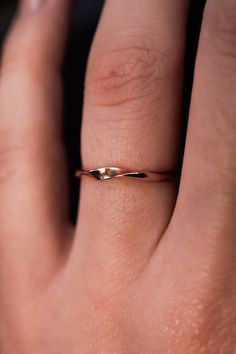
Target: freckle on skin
[(113, 73)]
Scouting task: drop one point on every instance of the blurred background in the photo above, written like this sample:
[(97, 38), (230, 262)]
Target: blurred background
[(85, 15)]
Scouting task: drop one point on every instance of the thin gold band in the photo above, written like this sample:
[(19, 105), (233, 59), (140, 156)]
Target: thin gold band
[(106, 173)]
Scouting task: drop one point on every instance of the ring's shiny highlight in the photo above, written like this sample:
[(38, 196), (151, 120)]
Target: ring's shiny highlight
[(106, 173)]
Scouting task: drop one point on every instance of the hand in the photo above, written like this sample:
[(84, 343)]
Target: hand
[(141, 273)]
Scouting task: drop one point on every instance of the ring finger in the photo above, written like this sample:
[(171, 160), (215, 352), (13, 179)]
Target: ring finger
[(131, 120)]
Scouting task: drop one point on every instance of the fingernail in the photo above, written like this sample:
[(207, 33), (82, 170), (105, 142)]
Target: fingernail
[(35, 4), (30, 5)]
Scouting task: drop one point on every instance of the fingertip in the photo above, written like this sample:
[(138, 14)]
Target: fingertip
[(34, 6), (37, 35), (26, 6)]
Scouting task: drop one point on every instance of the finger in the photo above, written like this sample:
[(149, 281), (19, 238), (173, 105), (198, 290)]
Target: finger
[(131, 120), (33, 207), (207, 195)]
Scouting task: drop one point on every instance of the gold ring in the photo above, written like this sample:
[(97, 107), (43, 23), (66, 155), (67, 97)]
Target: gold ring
[(106, 173)]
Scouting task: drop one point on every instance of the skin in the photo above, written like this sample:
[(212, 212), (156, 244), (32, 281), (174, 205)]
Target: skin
[(148, 268)]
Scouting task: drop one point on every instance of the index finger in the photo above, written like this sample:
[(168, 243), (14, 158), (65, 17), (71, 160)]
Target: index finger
[(33, 203)]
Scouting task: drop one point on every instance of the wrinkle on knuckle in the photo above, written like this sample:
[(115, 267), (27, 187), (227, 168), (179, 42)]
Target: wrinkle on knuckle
[(27, 70), (220, 16), (220, 26), (38, 64), (20, 159), (8, 161), (125, 75)]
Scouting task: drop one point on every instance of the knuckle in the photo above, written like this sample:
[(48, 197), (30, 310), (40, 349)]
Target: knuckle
[(221, 25), (125, 74), (220, 15), (25, 68), (19, 56), (9, 158)]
